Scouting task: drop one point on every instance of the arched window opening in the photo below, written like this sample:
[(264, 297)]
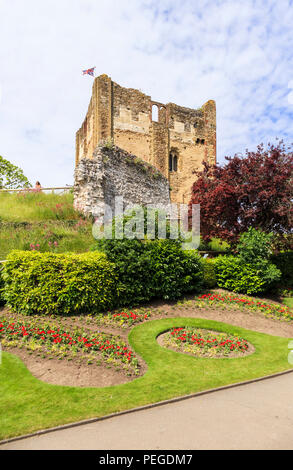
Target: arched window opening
[(155, 113), (173, 161)]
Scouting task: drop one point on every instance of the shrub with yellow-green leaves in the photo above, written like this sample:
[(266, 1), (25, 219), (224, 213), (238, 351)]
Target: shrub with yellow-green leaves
[(47, 283)]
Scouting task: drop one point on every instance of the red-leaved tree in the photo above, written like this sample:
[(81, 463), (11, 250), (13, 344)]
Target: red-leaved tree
[(255, 190)]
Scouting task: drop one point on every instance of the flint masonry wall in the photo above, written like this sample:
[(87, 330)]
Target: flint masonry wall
[(125, 116), (115, 172)]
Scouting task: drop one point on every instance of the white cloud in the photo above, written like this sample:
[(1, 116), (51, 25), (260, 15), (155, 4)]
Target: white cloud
[(236, 52)]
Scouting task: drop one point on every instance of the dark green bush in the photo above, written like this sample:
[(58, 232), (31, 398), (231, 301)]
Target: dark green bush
[(209, 273), (47, 283), (152, 269), (174, 271), (284, 261), (131, 267), (248, 278)]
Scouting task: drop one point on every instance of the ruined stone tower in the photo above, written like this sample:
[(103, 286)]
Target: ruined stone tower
[(174, 139)]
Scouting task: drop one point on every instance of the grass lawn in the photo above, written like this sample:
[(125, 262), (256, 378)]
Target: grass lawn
[(32, 405), (289, 302)]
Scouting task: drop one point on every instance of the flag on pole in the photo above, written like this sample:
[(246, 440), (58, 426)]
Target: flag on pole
[(89, 71)]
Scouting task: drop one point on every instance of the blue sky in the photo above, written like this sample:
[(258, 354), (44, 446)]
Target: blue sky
[(239, 53)]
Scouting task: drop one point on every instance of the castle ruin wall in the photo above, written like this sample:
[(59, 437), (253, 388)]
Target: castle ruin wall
[(114, 172)]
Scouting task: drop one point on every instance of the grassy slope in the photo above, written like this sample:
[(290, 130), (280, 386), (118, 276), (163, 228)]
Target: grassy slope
[(37, 218), (33, 405), (36, 207), (49, 213)]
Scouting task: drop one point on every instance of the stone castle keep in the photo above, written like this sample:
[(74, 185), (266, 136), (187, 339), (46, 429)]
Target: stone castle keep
[(169, 138)]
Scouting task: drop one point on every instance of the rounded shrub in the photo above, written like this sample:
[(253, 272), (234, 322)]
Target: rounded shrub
[(248, 278), (174, 271), (148, 269), (50, 283)]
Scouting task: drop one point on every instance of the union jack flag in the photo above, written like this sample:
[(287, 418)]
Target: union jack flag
[(89, 71)]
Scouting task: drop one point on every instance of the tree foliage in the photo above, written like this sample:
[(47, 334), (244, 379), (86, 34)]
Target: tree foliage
[(255, 190), (255, 246), (11, 176)]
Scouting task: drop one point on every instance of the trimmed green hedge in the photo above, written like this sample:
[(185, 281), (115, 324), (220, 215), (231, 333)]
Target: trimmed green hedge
[(47, 283), (128, 273)]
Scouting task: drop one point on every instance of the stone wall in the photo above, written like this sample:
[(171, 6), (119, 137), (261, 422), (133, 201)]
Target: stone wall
[(114, 172)]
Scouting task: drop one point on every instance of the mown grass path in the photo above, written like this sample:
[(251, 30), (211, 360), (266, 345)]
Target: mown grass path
[(28, 404)]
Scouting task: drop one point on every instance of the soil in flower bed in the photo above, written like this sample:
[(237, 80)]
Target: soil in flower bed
[(71, 373), (205, 343), (69, 354)]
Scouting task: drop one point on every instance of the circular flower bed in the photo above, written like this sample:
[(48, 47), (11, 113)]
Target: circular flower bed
[(205, 343)]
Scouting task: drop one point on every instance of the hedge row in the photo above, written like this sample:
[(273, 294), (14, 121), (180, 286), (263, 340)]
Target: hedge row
[(47, 283), (152, 269), (129, 272)]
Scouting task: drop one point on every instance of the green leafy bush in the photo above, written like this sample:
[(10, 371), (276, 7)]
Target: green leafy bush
[(149, 269), (249, 278), (47, 283), (255, 246), (209, 273), (174, 271), (131, 267), (284, 261)]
